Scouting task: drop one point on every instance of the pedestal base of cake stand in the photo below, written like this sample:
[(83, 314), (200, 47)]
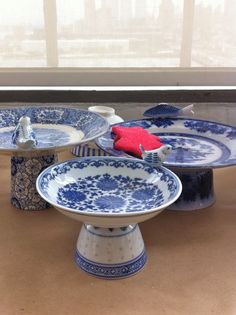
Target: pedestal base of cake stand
[(110, 253), (24, 172), (198, 189)]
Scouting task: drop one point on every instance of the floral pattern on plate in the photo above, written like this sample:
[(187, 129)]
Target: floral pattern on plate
[(111, 188), (196, 143)]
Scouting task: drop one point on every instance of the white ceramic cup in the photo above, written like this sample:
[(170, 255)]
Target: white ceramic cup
[(106, 112)]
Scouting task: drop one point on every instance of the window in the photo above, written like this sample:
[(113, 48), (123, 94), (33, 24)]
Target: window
[(119, 42)]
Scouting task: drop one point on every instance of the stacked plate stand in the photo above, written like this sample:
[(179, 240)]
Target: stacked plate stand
[(56, 129), (110, 196), (199, 146)]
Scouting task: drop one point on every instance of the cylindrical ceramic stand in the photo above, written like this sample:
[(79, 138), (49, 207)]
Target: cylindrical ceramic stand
[(110, 253), (24, 172), (198, 189)]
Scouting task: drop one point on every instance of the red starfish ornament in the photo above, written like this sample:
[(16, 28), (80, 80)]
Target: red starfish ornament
[(128, 139)]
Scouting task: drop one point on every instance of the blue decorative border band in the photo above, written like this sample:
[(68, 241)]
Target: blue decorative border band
[(123, 231), (112, 271)]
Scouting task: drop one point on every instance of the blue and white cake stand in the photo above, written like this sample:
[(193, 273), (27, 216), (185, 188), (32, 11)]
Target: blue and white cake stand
[(56, 129), (199, 146), (110, 196)]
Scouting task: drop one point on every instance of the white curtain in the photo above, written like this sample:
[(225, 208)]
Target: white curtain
[(117, 33)]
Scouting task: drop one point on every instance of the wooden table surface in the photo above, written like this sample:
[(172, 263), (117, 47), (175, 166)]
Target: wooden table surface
[(191, 267)]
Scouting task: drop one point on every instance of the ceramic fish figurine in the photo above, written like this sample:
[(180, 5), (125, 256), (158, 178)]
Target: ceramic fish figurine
[(168, 110), (157, 156), (23, 135)]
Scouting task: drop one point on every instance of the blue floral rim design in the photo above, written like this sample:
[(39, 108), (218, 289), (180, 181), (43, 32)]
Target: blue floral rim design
[(91, 125), (109, 194), (196, 143), (113, 271)]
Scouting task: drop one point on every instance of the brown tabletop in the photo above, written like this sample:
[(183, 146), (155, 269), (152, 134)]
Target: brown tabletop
[(191, 267)]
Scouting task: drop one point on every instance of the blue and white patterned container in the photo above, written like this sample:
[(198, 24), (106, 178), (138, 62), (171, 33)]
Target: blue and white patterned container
[(110, 196)]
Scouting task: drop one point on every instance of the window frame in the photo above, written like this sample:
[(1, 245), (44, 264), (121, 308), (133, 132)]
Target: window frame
[(102, 77), (117, 77)]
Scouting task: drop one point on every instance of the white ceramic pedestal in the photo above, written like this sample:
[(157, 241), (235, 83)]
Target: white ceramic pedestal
[(110, 253), (110, 196)]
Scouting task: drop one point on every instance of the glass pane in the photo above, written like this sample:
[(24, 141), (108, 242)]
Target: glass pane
[(22, 34), (214, 38), (119, 33)]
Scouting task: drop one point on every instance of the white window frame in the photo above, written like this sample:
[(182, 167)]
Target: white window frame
[(117, 77), (176, 77)]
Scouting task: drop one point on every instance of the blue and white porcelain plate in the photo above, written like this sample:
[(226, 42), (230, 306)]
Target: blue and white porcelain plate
[(108, 186), (55, 127), (196, 143)]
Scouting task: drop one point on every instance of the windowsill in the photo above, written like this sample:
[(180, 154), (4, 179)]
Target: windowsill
[(119, 94), (117, 88)]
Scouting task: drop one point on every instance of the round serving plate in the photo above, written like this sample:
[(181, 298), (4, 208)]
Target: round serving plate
[(108, 191), (199, 146), (196, 143), (56, 129)]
